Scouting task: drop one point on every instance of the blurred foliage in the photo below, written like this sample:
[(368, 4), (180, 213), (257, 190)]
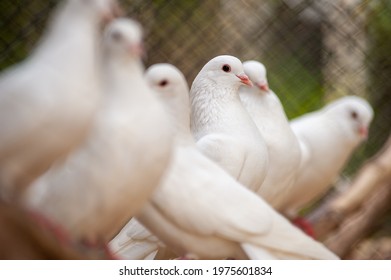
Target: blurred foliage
[(21, 24), (294, 60), (379, 62)]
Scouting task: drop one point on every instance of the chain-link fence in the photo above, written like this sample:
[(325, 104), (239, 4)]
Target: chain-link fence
[(314, 50)]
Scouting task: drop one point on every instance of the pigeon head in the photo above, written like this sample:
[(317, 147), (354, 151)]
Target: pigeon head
[(167, 80), (123, 36), (169, 83), (256, 71), (225, 70), (354, 114)]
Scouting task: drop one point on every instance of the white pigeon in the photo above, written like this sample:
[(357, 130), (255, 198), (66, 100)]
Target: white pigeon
[(222, 128), (328, 137), (47, 102), (103, 183), (202, 212), (283, 147)]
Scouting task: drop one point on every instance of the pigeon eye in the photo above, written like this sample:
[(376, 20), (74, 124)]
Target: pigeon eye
[(226, 68), (354, 115), (116, 36), (163, 83)]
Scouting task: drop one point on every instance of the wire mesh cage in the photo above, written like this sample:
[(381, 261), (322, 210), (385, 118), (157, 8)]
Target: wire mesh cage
[(314, 51)]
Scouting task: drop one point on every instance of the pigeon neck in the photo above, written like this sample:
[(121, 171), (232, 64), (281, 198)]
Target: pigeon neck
[(350, 137), (119, 71), (184, 136), (251, 96), (117, 61), (72, 13), (72, 29), (210, 103), (179, 110), (256, 95), (262, 104), (214, 90)]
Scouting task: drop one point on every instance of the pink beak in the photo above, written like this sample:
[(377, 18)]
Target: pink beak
[(263, 86), (245, 80), (137, 49), (363, 131)]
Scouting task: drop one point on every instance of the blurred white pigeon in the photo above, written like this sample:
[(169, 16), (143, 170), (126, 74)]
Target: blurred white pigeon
[(328, 137), (103, 183), (283, 147), (47, 102), (200, 211), (222, 128)]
